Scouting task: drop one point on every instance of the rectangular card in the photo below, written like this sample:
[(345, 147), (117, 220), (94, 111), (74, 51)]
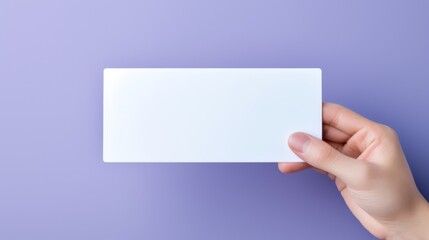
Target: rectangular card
[(208, 114)]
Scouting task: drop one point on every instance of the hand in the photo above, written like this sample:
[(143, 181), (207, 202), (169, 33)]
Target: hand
[(370, 171)]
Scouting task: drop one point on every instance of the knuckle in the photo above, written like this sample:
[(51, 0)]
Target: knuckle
[(367, 172), (337, 115), (382, 130), (325, 154), (388, 131)]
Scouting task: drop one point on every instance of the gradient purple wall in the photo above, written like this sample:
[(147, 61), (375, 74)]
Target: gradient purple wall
[(53, 183)]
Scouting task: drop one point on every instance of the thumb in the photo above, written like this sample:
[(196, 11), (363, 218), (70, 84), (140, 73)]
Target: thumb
[(321, 155)]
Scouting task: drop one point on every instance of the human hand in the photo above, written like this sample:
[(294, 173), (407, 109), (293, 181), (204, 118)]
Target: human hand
[(370, 170)]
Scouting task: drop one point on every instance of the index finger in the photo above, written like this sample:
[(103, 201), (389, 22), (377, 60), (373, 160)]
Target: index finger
[(291, 167), (343, 119)]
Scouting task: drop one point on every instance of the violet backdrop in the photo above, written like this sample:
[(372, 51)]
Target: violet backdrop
[(53, 182)]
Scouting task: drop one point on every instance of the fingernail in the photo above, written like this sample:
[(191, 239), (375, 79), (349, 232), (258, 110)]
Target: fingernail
[(298, 142)]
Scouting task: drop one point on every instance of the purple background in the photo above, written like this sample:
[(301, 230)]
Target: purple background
[(53, 183)]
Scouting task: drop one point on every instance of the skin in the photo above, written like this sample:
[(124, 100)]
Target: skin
[(370, 170)]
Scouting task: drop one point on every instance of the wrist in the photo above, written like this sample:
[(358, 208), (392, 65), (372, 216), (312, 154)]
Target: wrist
[(414, 225)]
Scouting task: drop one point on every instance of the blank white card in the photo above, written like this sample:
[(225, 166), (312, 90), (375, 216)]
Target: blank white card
[(208, 114)]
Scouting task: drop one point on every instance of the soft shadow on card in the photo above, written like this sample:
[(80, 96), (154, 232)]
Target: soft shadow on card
[(208, 114)]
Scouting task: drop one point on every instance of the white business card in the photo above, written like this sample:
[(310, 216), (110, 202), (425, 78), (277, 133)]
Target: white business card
[(208, 114)]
